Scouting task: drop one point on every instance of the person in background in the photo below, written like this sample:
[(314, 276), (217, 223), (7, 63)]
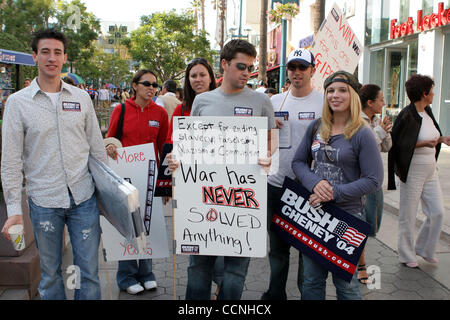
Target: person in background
[(26, 82), (286, 85), (416, 143), (271, 91), (372, 101), (262, 86), (179, 94), (347, 166), (199, 78), (167, 98), (144, 122)]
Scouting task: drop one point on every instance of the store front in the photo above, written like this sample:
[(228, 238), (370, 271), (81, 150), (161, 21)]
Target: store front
[(10, 60), (407, 37)]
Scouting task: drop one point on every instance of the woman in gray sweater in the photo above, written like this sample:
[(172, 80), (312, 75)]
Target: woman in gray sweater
[(346, 166)]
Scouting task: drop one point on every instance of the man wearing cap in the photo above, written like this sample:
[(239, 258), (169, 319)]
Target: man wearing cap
[(294, 110)]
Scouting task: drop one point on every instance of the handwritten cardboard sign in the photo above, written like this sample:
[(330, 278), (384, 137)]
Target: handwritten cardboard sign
[(335, 48), (136, 165), (328, 235), (220, 191)]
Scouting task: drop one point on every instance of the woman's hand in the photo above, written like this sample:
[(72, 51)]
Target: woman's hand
[(314, 200), (324, 191), (386, 124), (445, 140), (111, 150)]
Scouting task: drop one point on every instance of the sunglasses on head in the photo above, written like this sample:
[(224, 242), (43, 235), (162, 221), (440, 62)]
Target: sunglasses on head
[(293, 67), (243, 66), (148, 84)]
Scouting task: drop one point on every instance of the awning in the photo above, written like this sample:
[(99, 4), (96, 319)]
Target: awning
[(14, 57)]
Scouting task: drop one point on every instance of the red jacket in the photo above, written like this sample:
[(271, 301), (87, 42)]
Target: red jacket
[(141, 125), (176, 113)]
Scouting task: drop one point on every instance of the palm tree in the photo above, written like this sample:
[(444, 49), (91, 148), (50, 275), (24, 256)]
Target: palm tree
[(317, 14), (262, 74)]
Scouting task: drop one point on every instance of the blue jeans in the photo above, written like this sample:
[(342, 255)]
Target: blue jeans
[(131, 272), (200, 275), (83, 224), (314, 284), (279, 253), (373, 211)]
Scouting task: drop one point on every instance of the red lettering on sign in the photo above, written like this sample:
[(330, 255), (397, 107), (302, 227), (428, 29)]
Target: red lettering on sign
[(234, 197), (132, 157)]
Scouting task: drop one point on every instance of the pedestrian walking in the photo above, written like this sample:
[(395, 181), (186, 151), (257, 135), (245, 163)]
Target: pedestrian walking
[(143, 122), (346, 166), (49, 131), (416, 143), (236, 60), (300, 105), (372, 101)]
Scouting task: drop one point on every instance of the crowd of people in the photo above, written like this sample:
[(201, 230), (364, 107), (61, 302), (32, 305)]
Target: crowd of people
[(333, 150)]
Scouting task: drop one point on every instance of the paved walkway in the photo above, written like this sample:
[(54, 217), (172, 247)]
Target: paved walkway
[(397, 282)]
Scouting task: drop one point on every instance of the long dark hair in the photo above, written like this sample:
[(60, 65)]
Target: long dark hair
[(368, 92), (189, 93), (137, 77)]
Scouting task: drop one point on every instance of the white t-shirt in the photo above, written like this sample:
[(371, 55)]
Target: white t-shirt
[(302, 111), (54, 96), (427, 132)]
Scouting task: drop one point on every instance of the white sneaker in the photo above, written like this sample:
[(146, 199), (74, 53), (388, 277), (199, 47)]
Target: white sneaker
[(135, 288), (150, 285)]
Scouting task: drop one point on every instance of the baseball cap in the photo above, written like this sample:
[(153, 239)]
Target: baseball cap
[(301, 55), (350, 79)]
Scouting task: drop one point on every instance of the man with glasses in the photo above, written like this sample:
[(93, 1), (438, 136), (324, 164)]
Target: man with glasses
[(232, 98), (294, 110)]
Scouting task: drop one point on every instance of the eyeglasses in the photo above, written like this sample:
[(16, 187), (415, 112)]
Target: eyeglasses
[(148, 84), (293, 67), (329, 152), (243, 66)]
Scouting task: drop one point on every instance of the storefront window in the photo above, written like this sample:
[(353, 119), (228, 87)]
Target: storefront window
[(412, 59), (427, 7), (377, 63), (378, 15)]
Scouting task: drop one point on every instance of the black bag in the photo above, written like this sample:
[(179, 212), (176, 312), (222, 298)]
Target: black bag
[(119, 131)]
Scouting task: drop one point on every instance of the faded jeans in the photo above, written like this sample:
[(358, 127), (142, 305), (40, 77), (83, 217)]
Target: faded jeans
[(83, 224), (279, 253), (131, 272), (200, 276)]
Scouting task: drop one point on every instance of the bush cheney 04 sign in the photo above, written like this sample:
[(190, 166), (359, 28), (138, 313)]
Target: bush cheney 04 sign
[(328, 235)]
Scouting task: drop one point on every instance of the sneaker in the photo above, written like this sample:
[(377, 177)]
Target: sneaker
[(412, 264), (135, 288), (431, 260), (150, 285)]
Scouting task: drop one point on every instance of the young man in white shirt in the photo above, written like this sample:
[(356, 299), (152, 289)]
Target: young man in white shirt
[(49, 130)]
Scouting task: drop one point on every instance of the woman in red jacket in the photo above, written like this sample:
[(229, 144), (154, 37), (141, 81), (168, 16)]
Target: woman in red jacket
[(144, 122), (199, 78)]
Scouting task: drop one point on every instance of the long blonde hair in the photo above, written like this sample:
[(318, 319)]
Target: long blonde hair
[(354, 122)]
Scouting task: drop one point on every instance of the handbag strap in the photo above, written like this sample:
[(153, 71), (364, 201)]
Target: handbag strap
[(119, 131)]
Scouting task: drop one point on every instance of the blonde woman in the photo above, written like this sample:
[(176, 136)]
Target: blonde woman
[(347, 165)]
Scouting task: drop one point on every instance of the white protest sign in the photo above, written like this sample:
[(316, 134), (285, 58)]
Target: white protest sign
[(132, 164), (335, 48), (219, 189)]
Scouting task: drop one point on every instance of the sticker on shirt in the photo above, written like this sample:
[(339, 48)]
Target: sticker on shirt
[(71, 106), (243, 112), (315, 146), (306, 115), (153, 124)]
